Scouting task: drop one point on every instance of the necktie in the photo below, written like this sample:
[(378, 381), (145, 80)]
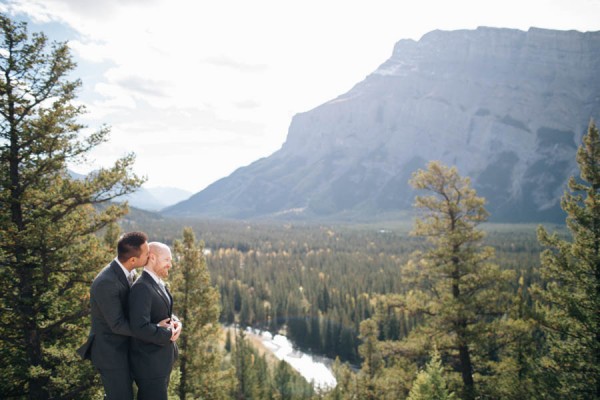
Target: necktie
[(164, 290), (130, 279)]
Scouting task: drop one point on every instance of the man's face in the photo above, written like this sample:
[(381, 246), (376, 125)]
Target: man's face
[(143, 258), (163, 263)]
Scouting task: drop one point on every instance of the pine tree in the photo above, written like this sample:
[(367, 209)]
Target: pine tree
[(244, 357), (371, 356), (49, 251), (111, 236), (198, 308), (430, 383), (368, 350), (519, 349), (346, 387), (283, 380), (457, 290), (571, 270)]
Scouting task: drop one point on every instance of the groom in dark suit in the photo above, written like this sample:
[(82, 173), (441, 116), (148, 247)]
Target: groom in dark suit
[(153, 349), (108, 342)]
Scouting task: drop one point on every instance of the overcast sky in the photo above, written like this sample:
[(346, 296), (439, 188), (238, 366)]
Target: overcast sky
[(198, 88)]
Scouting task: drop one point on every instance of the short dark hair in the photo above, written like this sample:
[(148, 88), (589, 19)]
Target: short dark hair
[(130, 245)]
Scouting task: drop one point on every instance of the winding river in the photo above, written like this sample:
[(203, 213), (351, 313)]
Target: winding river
[(315, 369)]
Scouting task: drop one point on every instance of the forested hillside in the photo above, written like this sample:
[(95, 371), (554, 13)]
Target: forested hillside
[(325, 280), (469, 303)]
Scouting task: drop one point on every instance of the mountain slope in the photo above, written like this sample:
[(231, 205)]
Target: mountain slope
[(155, 198), (507, 107)]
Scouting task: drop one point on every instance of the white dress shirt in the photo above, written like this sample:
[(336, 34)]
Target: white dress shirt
[(127, 273), (160, 282)]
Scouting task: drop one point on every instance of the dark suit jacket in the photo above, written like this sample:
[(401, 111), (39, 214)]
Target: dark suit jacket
[(108, 342), (152, 353)]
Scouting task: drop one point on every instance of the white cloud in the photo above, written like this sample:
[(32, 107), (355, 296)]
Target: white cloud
[(198, 89)]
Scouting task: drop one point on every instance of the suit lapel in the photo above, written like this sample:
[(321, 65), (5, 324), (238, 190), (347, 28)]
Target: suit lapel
[(119, 272), (157, 289), (170, 302)]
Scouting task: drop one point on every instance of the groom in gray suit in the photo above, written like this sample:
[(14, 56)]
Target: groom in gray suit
[(109, 339), (153, 349)]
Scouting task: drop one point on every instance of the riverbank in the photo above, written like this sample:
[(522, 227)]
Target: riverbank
[(257, 343), (315, 369)]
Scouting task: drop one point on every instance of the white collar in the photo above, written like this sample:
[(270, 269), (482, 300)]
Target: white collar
[(125, 270), (154, 276)]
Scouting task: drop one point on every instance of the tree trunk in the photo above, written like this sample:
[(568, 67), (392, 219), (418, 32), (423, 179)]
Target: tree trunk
[(183, 381), (183, 389), (466, 368), (31, 336), (37, 385), (466, 371)]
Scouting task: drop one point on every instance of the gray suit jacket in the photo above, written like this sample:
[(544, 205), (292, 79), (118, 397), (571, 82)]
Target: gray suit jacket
[(152, 353), (109, 339)]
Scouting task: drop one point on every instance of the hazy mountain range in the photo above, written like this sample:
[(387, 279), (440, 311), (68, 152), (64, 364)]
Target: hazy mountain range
[(507, 107), (156, 198), (150, 199)]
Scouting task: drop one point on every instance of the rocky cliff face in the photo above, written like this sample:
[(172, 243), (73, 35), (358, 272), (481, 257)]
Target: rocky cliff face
[(507, 107)]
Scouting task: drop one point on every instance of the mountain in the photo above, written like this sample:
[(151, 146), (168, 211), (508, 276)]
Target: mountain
[(149, 199), (507, 107), (156, 198)]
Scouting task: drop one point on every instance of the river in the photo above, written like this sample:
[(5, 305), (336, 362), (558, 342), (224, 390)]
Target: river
[(315, 369)]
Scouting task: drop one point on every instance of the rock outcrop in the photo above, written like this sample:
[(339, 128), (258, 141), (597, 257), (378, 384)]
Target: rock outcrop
[(507, 107)]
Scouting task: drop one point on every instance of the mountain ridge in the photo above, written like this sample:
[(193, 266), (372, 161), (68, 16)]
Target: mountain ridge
[(507, 107)]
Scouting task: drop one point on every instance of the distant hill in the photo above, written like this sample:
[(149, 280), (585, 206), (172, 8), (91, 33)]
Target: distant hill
[(156, 198), (149, 199), (507, 107)]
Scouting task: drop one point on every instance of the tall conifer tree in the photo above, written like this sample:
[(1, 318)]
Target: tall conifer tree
[(198, 307), (457, 290), (571, 270), (430, 383), (49, 252)]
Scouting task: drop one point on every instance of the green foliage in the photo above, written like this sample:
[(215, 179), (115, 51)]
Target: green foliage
[(392, 381), (570, 297), (48, 249), (256, 379), (379, 378), (370, 295), (306, 287), (515, 373), (430, 383), (247, 363), (197, 301), (456, 289), (346, 382), (368, 350), (285, 274), (111, 236)]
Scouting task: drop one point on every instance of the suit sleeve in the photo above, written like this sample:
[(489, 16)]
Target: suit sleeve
[(140, 304), (109, 303)]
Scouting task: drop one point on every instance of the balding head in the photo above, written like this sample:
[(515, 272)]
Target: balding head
[(159, 260), (158, 247)]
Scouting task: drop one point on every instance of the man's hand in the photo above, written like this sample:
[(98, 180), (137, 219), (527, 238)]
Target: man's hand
[(176, 331), (165, 323)]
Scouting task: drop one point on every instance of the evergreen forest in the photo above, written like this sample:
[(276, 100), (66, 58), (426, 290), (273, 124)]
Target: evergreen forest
[(317, 283)]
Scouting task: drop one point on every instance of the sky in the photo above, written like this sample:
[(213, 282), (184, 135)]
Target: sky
[(197, 89)]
